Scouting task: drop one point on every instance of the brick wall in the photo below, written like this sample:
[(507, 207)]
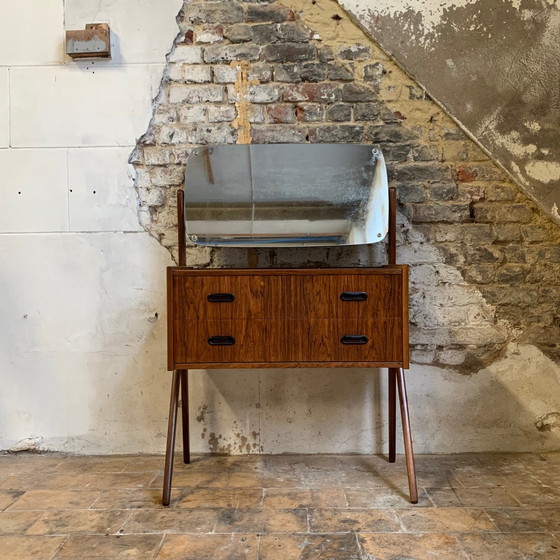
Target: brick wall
[(485, 261)]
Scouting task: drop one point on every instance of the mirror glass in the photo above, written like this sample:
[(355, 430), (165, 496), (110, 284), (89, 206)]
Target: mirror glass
[(275, 195)]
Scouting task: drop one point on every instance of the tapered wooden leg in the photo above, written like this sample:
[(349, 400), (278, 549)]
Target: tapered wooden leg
[(184, 374), (407, 436), (392, 414), (171, 430)]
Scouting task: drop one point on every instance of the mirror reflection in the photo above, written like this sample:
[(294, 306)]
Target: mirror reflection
[(275, 195)]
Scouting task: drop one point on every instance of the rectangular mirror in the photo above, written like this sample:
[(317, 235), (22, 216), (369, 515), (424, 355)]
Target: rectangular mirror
[(277, 195)]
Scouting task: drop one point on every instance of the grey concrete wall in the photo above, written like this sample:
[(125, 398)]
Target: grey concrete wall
[(495, 67)]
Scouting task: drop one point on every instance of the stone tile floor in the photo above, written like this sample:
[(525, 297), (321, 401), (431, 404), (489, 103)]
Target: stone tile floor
[(482, 506)]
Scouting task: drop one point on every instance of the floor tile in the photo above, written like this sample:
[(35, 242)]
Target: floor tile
[(309, 547), (209, 547), (17, 522), (289, 498), (70, 522), (407, 546), (520, 520), (55, 499), (528, 546), (453, 520), (134, 499), (356, 520), (8, 497), (240, 498), (29, 548), (262, 521), (384, 497), (172, 521), (109, 546)]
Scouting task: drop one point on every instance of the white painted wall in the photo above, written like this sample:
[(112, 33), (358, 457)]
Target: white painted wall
[(82, 351)]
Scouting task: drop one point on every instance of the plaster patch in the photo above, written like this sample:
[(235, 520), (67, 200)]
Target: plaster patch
[(544, 171), (533, 126)]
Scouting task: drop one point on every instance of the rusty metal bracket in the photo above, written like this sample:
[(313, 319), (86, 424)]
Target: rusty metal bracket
[(93, 42)]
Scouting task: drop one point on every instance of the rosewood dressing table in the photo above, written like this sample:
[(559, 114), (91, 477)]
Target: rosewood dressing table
[(287, 318)]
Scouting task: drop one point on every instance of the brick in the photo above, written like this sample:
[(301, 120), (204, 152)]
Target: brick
[(366, 111), (260, 72), (287, 73), (187, 54), (155, 197), (421, 172), (466, 174), (288, 52), (293, 32), (385, 133), (325, 92), (373, 72), (215, 12), (509, 295), (509, 273), (309, 112), (224, 74), (210, 34), (340, 72), (499, 193), (277, 134), (166, 176), (266, 93), (441, 192), (507, 232), (339, 112), (533, 234), (480, 274), (313, 72), (425, 153), (325, 54), (238, 33), (397, 152), (257, 113), (440, 213), (353, 93), (211, 134), (336, 133), (354, 52), (221, 113), (157, 156), (196, 94), (197, 74), (515, 254), (227, 53), (165, 115), (273, 13), (410, 192), (192, 114), (264, 33), (497, 212), (172, 135), (281, 113)]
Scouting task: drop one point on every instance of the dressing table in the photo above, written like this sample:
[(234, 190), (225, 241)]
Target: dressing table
[(287, 318)]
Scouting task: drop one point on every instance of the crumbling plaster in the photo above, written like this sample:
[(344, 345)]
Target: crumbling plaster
[(494, 66)]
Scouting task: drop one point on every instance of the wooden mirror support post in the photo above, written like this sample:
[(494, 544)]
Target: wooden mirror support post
[(288, 318)]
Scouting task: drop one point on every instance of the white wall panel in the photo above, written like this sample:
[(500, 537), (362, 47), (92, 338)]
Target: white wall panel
[(101, 191), (31, 32), (141, 30), (82, 341), (34, 191), (4, 108), (79, 105)]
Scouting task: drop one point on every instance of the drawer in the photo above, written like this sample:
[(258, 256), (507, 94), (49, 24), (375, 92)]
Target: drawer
[(352, 340), (220, 297), (360, 296), (234, 340)]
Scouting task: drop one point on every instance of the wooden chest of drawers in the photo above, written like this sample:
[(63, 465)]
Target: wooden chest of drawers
[(239, 318)]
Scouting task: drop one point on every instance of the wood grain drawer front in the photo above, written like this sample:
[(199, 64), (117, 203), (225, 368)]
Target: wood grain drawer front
[(352, 340), (234, 340), (216, 297), (332, 296)]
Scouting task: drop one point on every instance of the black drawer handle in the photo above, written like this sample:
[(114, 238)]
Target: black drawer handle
[(219, 298), (221, 341), (354, 339), (353, 296)]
